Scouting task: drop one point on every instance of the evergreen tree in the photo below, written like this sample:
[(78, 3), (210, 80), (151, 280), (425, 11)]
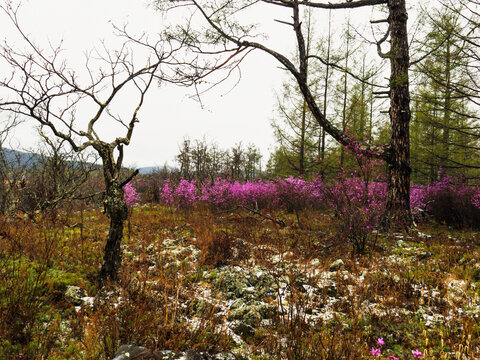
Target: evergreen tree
[(440, 142), (298, 135)]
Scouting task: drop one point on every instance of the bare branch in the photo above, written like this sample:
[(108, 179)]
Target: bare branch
[(319, 5)]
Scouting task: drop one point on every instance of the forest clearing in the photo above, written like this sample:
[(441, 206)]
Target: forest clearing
[(349, 229), (233, 282)]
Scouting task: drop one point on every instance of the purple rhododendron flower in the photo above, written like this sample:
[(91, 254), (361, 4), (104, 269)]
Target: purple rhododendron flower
[(380, 342), (130, 195), (417, 354), (359, 201)]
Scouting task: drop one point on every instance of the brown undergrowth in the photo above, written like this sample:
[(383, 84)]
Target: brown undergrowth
[(417, 291)]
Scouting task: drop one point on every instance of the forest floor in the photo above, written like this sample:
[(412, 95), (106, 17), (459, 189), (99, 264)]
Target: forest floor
[(236, 285)]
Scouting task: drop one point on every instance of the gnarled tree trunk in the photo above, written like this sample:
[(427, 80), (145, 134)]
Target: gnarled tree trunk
[(117, 211)]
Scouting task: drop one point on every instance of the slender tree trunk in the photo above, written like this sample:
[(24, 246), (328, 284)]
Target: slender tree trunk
[(433, 141), (398, 190), (370, 118), (303, 129), (325, 90), (363, 115), (345, 90), (447, 108), (301, 165)]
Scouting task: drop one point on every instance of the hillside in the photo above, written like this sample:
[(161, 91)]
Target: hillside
[(20, 158)]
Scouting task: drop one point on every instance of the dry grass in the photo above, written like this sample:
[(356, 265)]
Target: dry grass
[(171, 297)]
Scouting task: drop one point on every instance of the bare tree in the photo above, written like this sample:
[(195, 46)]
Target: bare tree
[(205, 161), (42, 87), (184, 159), (11, 172), (220, 18), (54, 177)]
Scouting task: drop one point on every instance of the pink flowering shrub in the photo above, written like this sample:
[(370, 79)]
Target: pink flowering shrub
[(130, 195), (290, 193), (358, 207), (166, 193), (219, 193), (295, 194), (357, 201), (185, 194), (417, 199), (222, 193), (453, 202)]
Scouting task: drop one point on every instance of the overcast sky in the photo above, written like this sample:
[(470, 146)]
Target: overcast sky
[(229, 116)]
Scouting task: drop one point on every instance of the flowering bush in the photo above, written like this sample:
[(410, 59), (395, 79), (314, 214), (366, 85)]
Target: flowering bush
[(222, 193), (186, 193), (453, 202), (357, 202), (295, 194), (130, 195), (358, 207), (291, 193)]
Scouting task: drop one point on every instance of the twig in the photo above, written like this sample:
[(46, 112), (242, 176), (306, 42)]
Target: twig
[(268, 217)]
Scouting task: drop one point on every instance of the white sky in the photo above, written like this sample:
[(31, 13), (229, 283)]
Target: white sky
[(168, 115)]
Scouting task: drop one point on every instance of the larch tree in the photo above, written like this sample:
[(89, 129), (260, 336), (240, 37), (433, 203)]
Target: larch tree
[(344, 85), (444, 137), (353, 98), (300, 140)]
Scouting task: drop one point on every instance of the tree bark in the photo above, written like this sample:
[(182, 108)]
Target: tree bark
[(398, 158), (447, 107), (301, 165), (345, 94), (116, 209)]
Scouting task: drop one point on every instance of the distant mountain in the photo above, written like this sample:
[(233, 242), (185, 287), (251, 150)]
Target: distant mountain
[(152, 169), (20, 158), (26, 159)]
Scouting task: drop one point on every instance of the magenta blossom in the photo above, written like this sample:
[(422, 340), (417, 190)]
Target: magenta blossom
[(130, 195), (380, 342), (375, 352), (417, 354)]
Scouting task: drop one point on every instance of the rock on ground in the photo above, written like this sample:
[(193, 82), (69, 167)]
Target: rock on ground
[(133, 352)]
